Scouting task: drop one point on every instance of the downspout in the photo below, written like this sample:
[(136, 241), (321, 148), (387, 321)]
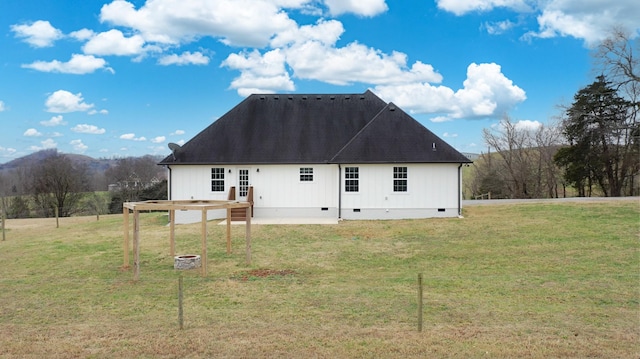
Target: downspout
[(169, 184), (460, 190), (339, 192)]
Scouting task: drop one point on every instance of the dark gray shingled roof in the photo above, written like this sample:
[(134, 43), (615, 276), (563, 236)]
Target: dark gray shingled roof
[(306, 129)]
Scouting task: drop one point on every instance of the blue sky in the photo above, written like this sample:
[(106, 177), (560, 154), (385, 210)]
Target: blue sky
[(125, 78)]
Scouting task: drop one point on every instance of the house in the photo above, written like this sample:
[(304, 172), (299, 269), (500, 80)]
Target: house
[(343, 156)]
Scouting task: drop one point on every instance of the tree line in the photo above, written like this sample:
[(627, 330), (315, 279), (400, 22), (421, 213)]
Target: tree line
[(593, 149), (56, 185)]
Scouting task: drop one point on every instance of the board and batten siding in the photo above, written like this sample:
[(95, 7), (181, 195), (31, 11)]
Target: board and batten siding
[(432, 191)]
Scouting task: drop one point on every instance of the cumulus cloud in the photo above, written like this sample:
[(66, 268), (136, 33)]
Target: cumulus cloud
[(63, 101), (90, 129), (82, 35), (158, 139), (113, 42), (77, 65), (177, 133), (132, 137), (46, 144), (528, 125), (259, 73), (486, 92), (234, 22), (589, 21), (32, 132), (359, 7), (78, 146), (54, 121), (2, 107), (37, 34), (186, 58)]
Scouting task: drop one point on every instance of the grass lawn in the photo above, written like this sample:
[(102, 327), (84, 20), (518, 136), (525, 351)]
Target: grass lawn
[(551, 280)]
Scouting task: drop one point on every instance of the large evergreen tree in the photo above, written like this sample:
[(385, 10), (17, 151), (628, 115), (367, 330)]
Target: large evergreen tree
[(602, 132)]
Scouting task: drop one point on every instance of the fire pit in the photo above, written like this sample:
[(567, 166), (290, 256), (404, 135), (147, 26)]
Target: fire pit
[(187, 261)]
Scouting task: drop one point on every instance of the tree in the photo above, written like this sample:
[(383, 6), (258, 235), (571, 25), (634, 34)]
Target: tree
[(523, 162), (56, 182), (602, 134)]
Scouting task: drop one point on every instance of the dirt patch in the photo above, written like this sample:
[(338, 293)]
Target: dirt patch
[(265, 273)]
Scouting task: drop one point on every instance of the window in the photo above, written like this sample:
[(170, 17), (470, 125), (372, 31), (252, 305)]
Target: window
[(351, 178), (399, 179), (217, 180), (306, 174)]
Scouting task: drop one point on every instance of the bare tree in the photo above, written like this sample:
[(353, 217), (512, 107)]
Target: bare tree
[(522, 166), (57, 183)]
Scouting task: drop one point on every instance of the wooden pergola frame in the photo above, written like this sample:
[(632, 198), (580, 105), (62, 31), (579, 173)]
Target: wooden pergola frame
[(189, 205)]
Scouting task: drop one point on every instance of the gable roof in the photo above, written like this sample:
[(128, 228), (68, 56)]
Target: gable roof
[(311, 129)]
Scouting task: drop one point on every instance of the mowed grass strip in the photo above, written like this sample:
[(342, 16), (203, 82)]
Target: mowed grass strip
[(516, 281)]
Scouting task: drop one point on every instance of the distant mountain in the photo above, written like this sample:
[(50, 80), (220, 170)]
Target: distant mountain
[(94, 165)]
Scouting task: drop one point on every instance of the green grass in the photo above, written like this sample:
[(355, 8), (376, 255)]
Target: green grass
[(511, 281)]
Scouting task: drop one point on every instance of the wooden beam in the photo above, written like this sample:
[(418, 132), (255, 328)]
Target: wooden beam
[(203, 255), (228, 230), (125, 244), (136, 245), (248, 236), (172, 232)]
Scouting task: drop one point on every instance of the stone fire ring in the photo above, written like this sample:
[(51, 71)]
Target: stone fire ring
[(187, 261)]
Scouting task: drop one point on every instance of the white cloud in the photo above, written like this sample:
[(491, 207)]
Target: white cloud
[(32, 132), (528, 125), (82, 35), (91, 129), (63, 101), (78, 146), (177, 133), (158, 139), (113, 42), (78, 65), (236, 22), (461, 7), (95, 112), (486, 92), (48, 143), (2, 107), (54, 121), (452, 135), (259, 73), (132, 137), (589, 21), (37, 34), (358, 7), (186, 58), (499, 27)]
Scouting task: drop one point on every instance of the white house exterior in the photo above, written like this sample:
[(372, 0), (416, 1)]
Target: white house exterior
[(386, 165)]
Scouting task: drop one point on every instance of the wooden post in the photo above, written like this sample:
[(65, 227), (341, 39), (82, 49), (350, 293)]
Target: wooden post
[(172, 232), (248, 236), (4, 218), (203, 256), (228, 230), (420, 302), (57, 215), (136, 245), (180, 312), (125, 244)]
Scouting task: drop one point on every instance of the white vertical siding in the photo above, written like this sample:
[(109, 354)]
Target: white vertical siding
[(432, 191)]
